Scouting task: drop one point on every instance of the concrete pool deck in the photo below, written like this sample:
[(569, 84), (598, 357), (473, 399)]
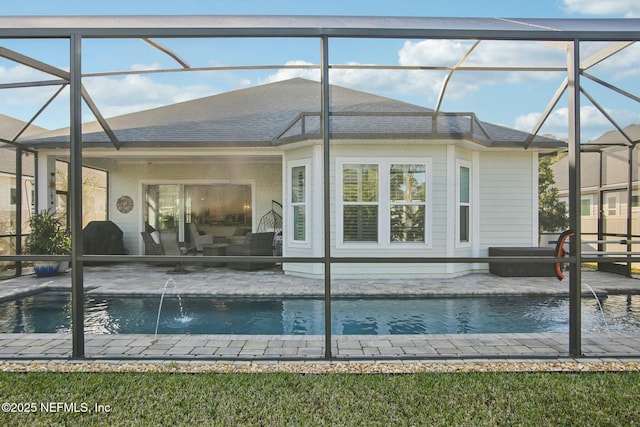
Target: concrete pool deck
[(141, 279)]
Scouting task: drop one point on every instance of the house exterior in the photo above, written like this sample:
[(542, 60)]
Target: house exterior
[(604, 195), (405, 182)]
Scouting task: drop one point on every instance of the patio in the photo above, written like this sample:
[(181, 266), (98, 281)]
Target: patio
[(149, 279), (144, 279)]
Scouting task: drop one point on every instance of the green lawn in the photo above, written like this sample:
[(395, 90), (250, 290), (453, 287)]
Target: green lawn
[(283, 399)]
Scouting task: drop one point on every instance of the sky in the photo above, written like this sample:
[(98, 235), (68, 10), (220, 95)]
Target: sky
[(507, 98)]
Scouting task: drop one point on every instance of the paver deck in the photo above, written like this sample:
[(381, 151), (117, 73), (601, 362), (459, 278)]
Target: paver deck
[(225, 347), (142, 279)]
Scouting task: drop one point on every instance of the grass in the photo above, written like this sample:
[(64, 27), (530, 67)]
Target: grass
[(282, 399)]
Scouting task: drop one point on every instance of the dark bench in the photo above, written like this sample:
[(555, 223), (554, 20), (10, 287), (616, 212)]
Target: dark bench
[(522, 269)]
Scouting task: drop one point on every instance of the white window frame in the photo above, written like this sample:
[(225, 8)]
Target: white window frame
[(467, 243), (590, 199), (13, 189), (617, 205), (342, 203), (384, 202), (306, 243)]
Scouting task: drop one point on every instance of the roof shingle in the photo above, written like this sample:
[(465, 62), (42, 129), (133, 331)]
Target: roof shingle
[(261, 116)]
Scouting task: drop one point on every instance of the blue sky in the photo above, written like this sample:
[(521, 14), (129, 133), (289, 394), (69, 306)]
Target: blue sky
[(511, 99), (474, 8)]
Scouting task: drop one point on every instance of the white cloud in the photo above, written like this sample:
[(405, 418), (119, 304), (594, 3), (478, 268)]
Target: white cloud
[(384, 81), (623, 64), (431, 52), (116, 96), (487, 53), (131, 93), (27, 96), (592, 122), (626, 8), (144, 67), (290, 73), (21, 73), (558, 120), (364, 79), (441, 53)]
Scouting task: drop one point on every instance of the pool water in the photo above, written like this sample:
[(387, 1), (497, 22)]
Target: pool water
[(51, 312)]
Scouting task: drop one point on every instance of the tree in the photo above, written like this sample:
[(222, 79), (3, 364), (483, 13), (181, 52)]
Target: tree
[(552, 214)]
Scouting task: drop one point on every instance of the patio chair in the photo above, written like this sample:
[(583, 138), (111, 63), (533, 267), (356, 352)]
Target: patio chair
[(254, 244), (151, 245), (166, 244), (197, 238)]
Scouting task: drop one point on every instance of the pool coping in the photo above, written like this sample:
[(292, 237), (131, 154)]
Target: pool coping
[(309, 349)]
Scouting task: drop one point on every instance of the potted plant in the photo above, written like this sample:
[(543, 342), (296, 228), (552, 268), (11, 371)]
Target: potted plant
[(48, 237)]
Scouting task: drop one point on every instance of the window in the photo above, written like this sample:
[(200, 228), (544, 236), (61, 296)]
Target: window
[(464, 204), (219, 204), (407, 203), (360, 201), (585, 207), (94, 193), (612, 205), (299, 203), (14, 196), (384, 202)]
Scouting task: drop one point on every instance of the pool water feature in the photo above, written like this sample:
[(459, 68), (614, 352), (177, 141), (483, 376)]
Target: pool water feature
[(182, 318), (51, 312)]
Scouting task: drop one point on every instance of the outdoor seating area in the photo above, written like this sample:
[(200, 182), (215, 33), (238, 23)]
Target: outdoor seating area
[(251, 244)]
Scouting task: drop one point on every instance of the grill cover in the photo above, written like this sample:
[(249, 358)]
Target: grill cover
[(102, 238)]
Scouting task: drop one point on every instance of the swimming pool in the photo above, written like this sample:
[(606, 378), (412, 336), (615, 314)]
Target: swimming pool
[(50, 312)]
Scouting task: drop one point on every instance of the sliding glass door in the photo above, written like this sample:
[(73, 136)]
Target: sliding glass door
[(219, 209)]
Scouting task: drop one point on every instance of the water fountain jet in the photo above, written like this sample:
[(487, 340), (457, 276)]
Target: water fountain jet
[(604, 318), (164, 290)]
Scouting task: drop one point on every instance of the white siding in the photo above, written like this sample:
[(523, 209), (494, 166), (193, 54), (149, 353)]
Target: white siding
[(506, 200), (505, 214)]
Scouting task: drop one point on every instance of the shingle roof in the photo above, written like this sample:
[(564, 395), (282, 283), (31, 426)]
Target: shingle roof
[(609, 152), (614, 137), (278, 113), (9, 128)]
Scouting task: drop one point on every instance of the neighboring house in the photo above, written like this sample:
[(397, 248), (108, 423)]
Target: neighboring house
[(9, 129), (404, 181), (604, 187)]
